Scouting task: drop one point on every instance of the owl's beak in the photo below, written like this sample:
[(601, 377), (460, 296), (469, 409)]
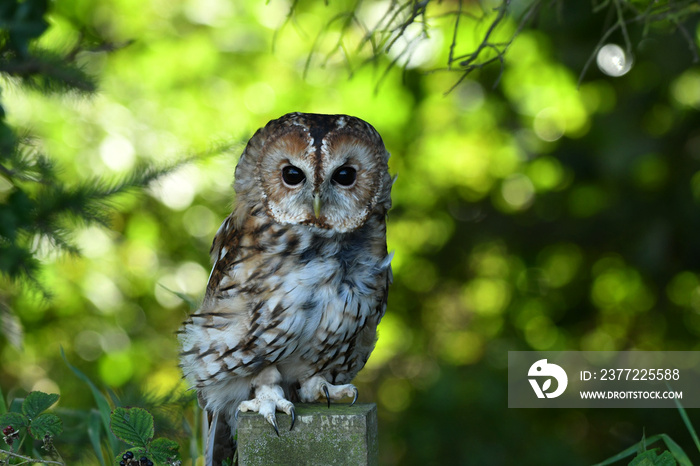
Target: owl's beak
[(317, 205)]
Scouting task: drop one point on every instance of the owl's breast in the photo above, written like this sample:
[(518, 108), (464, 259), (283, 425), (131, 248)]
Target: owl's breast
[(291, 297), (340, 290)]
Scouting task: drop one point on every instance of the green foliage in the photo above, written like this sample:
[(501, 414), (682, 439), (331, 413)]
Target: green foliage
[(652, 458), (16, 420), (36, 204), (135, 426), (21, 22), (95, 429), (38, 402), (32, 420), (46, 424), (673, 454), (32, 201), (687, 423)]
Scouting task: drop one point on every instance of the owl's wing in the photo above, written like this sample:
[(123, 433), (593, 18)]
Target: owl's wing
[(223, 250), (248, 318)]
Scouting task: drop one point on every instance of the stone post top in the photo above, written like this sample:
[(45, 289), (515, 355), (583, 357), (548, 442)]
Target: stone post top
[(339, 435)]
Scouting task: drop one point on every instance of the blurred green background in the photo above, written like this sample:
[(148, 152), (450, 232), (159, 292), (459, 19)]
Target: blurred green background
[(530, 212)]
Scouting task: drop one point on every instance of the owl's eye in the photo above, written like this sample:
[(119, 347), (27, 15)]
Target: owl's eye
[(345, 176), (292, 175)]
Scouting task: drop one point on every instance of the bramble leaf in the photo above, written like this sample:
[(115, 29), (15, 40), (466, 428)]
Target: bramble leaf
[(132, 425), (164, 450), (47, 423), (38, 402), (16, 420)]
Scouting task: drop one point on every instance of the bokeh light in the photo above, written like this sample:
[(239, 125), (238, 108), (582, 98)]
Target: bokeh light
[(613, 60)]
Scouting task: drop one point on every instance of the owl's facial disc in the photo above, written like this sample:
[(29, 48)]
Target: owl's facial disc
[(328, 178)]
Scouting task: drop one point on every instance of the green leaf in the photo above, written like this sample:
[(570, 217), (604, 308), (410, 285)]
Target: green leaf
[(671, 445), (686, 421), (188, 299), (38, 402), (47, 423), (163, 450), (645, 459), (665, 459), (3, 406), (16, 420), (676, 451), (651, 458), (100, 399), (637, 447), (133, 426), (93, 430)]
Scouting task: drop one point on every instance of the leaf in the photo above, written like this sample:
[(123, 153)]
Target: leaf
[(93, 431), (646, 458), (133, 426), (672, 446), (686, 421), (38, 402), (16, 420), (47, 423), (665, 459), (190, 302), (164, 450), (3, 406), (676, 450), (629, 451), (651, 458), (100, 399)]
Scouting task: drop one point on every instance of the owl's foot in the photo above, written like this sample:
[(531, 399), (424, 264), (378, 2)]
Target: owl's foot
[(268, 399), (317, 387)]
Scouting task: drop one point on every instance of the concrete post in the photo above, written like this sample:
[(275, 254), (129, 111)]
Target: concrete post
[(339, 435)]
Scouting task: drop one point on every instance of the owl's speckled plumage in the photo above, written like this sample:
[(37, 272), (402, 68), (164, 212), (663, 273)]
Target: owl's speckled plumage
[(301, 271)]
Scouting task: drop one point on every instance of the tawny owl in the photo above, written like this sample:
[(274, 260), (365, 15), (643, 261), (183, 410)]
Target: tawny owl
[(301, 272)]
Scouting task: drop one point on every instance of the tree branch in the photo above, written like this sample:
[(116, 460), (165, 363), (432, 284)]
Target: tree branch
[(27, 459)]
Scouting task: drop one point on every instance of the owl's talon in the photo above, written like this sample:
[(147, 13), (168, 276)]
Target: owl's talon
[(268, 400), (271, 419), (317, 387), (328, 395), (294, 418), (354, 398)]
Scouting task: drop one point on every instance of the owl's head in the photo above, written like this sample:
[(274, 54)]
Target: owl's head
[(324, 171)]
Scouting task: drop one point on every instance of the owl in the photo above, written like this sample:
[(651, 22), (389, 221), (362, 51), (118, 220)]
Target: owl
[(300, 276)]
